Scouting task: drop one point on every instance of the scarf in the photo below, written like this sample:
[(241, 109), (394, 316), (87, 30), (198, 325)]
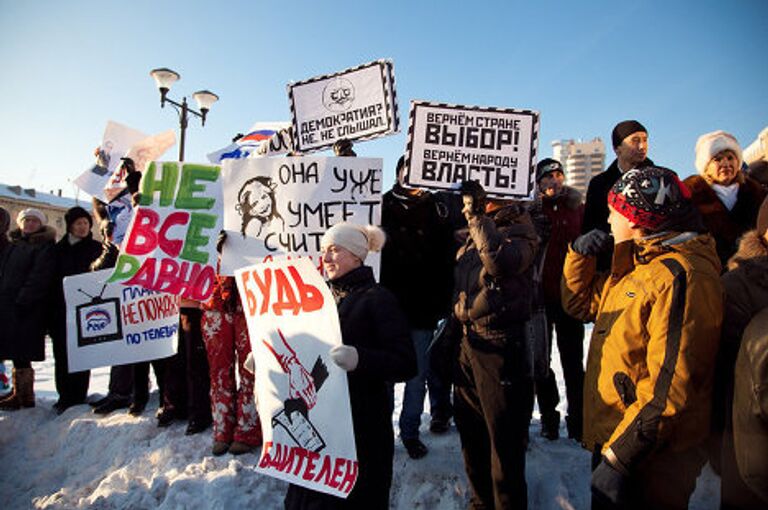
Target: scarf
[(727, 194)]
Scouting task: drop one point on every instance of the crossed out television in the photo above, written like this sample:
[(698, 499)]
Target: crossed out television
[(98, 320)]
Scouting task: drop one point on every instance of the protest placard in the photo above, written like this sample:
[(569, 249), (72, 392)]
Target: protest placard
[(142, 153), (303, 398), (113, 324), (283, 206), (262, 139), (355, 104), (170, 245), (116, 142), (448, 144)]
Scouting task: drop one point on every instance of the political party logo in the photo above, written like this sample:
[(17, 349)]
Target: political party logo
[(98, 320), (339, 95)]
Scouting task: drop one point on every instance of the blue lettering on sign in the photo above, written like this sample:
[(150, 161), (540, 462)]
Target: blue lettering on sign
[(152, 334)]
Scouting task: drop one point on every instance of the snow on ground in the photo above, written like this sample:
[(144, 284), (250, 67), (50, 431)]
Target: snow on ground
[(79, 460)]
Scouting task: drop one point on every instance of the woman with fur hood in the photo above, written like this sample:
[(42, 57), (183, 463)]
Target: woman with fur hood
[(727, 199), (746, 290), (26, 269)]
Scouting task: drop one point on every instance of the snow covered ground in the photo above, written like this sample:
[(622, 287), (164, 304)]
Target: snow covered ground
[(79, 460)]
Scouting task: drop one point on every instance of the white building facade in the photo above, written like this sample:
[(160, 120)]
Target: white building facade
[(581, 160)]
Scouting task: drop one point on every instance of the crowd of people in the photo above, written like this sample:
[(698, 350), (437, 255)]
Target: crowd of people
[(673, 274)]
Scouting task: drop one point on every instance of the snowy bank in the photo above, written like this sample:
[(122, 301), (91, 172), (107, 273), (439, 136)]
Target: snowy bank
[(80, 460)]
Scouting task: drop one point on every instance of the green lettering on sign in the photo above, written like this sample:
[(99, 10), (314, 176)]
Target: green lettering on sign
[(194, 240), (190, 174), (125, 268), (166, 185)]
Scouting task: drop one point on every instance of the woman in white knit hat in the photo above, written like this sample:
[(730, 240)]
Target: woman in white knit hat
[(26, 270), (726, 197), (377, 349)]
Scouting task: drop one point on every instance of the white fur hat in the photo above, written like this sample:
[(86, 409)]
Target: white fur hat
[(711, 144), (34, 213), (359, 239)]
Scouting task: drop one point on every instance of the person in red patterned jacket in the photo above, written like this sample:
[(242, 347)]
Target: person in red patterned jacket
[(558, 214), (236, 426)]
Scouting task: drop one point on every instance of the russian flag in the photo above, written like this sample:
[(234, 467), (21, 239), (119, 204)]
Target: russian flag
[(247, 145), (258, 136)]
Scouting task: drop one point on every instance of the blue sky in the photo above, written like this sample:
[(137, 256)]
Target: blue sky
[(682, 68)]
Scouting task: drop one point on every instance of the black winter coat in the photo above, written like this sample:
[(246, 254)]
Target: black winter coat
[(371, 321), (493, 274), (69, 259), (417, 259), (26, 270)]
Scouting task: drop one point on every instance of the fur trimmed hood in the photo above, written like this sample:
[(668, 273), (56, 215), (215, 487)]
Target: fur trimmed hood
[(752, 250), (46, 234)]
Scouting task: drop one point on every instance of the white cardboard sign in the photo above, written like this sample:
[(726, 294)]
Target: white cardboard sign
[(276, 207), (355, 104), (112, 324), (448, 144), (302, 396), (116, 142)]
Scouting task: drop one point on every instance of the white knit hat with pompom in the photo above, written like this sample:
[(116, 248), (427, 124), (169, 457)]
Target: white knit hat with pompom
[(359, 239)]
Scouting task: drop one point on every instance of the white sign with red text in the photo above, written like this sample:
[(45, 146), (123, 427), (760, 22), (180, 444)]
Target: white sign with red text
[(302, 396), (170, 245), (112, 324)]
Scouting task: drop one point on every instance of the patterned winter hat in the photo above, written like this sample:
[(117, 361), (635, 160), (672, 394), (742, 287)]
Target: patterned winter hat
[(650, 197)]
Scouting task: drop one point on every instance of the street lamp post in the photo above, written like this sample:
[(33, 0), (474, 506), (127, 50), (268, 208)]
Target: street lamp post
[(164, 78)]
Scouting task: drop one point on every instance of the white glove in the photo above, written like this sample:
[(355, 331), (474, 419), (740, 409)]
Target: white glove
[(250, 364), (345, 356)]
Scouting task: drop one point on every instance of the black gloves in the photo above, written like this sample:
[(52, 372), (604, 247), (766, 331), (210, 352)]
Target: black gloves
[(592, 243), (473, 195), (609, 487)]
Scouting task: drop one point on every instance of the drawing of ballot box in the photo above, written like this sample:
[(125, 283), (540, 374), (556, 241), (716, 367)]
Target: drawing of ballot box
[(301, 430)]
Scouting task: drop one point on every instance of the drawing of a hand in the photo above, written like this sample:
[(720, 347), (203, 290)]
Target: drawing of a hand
[(301, 383)]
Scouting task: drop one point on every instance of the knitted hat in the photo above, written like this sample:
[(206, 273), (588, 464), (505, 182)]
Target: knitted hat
[(625, 128), (74, 214), (650, 197), (762, 218), (359, 239), (5, 221), (546, 166), (711, 144), (34, 213)]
